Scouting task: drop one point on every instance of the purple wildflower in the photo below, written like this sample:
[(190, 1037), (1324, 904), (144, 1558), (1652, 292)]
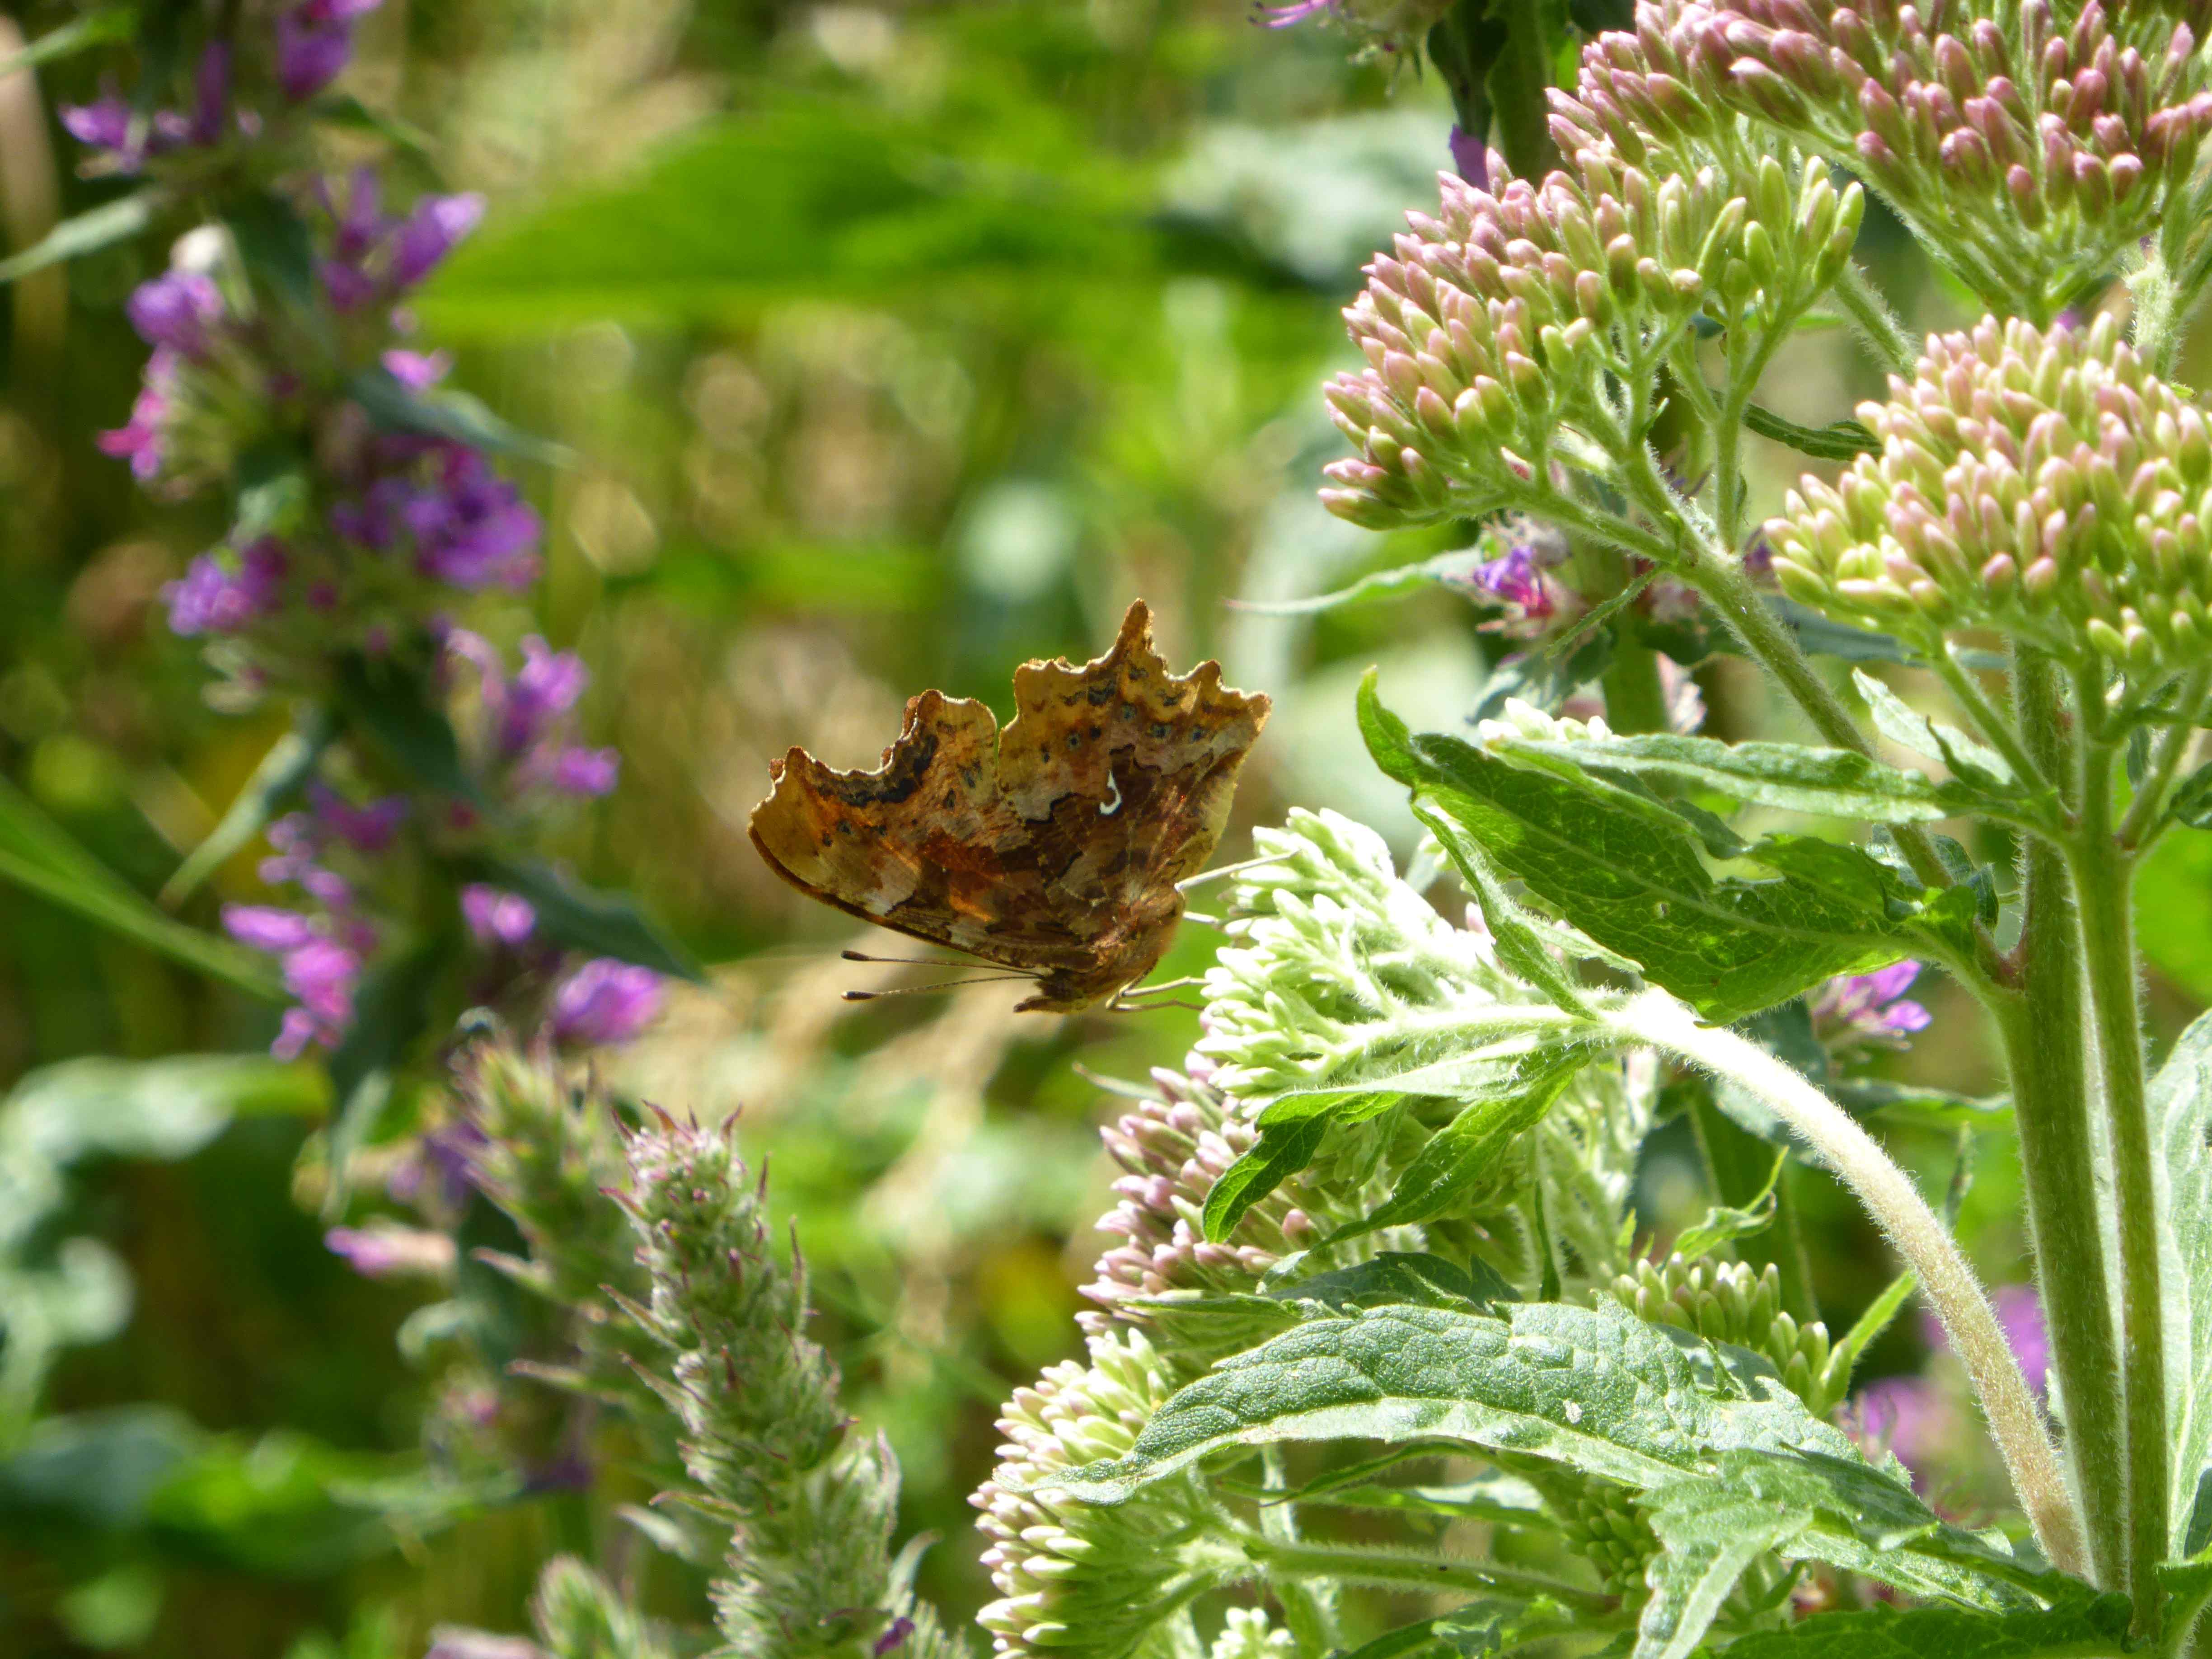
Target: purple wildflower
[(431, 231), (1906, 1415), (1869, 1009), (494, 918), (314, 42), (417, 371), (586, 772), (266, 927), (384, 1249), (893, 1638), (472, 528), (212, 599), (604, 1002), (174, 310), (1471, 157), (211, 94), (141, 441), (369, 827), (1281, 17), (106, 124), (542, 691)]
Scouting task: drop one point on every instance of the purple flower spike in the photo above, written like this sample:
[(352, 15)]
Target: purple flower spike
[(103, 125), (267, 928), (314, 43), (212, 598), (604, 1002), (431, 231), (211, 94), (174, 310), (544, 689), (369, 827), (322, 972), (586, 772), (494, 918), (1869, 1009)]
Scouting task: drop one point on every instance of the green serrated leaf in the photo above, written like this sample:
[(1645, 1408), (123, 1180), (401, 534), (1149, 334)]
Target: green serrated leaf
[(1523, 949), (87, 233), (1469, 1149), (1832, 782), (37, 853), (2181, 1108), (1280, 1152), (1972, 762), (1710, 1537), (2092, 1629), (599, 923), (2192, 803), (1838, 441), (1402, 1278), (1628, 872)]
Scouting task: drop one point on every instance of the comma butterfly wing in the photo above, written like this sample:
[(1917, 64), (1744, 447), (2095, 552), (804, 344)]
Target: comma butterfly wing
[(1053, 847)]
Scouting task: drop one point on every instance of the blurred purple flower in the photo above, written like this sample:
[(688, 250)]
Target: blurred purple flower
[(494, 918), (471, 527), (2019, 1316), (1470, 158), (1906, 1415), (384, 1249), (604, 1002), (369, 827), (431, 231), (586, 772), (211, 94), (174, 310), (212, 598), (141, 441), (893, 1638), (266, 927), (542, 691), (1281, 17), (314, 42), (417, 371), (105, 124), (1869, 1009)]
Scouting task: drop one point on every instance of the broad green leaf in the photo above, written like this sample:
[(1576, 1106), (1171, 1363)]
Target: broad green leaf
[(1710, 1536), (2093, 1629), (164, 1108), (820, 201), (1724, 1224), (1838, 441), (1818, 636), (2192, 803), (1592, 1388), (1282, 1150), (38, 853), (1399, 1277), (600, 923), (1972, 762), (283, 773), (87, 233), (1523, 950), (1470, 1148), (2181, 1108), (1502, 1499), (1629, 873), (1832, 782), (100, 27), (1478, 1629), (1445, 570)]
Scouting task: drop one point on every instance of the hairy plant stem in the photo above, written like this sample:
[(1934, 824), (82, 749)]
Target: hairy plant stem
[(1654, 1017), (1877, 324), (2104, 879), (1308, 1609), (1635, 697), (2044, 1031), (1352, 1564)]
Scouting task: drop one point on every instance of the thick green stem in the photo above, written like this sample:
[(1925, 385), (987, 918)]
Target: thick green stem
[(2015, 1423), (1876, 323), (1635, 697), (1350, 1564), (2045, 1033), (2103, 876)]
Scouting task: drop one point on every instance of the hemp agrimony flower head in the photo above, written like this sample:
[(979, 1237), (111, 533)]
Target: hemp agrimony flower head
[(1073, 1574), (810, 1501), (2041, 482), (1496, 332), (2027, 153), (1731, 1301)]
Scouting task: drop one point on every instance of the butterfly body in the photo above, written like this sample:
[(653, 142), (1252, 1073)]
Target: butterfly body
[(1052, 848)]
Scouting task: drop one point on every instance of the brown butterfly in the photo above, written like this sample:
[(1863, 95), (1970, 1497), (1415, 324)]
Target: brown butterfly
[(1053, 849)]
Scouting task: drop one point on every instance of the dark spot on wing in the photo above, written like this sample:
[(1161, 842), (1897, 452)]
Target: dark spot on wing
[(900, 777)]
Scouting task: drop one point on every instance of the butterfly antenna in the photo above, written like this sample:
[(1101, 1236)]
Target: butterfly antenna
[(1204, 876), (1121, 1005), (1203, 920), (926, 990), (912, 961), (1182, 984)]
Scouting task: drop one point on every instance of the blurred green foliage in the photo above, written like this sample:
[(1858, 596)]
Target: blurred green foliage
[(891, 346)]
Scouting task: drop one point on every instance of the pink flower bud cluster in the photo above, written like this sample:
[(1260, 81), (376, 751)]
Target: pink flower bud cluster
[(2044, 483), (1492, 326), (1172, 1150), (1068, 1572), (2027, 153)]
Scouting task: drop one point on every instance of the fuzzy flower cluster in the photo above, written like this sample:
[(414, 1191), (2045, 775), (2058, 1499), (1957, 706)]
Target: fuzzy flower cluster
[(1729, 1301), (2039, 482), (766, 1439), (1076, 1575), (1853, 1012), (2027, 153), (1497, 333)]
